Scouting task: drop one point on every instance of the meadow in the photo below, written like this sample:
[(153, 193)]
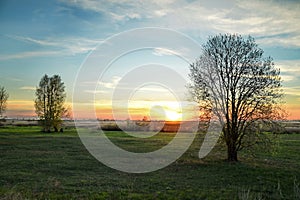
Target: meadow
[(37, 165)]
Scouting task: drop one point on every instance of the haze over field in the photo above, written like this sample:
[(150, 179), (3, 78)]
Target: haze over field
[(55, 37)]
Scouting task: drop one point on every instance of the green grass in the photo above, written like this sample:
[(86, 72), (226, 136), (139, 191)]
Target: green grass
[(36, 165)]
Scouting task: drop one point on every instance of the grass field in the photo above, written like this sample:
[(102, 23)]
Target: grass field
[(35, 165)]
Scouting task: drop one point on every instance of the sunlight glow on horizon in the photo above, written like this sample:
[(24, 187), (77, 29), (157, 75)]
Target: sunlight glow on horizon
[(152, 110), (169, 111), (173, 116)]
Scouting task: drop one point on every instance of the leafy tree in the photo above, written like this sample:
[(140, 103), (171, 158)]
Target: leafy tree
[(49, 102), (233, 82), (3, 100)]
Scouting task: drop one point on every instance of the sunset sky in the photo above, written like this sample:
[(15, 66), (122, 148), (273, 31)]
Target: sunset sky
[(55, 37)]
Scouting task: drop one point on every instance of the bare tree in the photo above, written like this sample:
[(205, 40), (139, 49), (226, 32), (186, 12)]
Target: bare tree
[(232, 81), (3, 100), (49, 103)]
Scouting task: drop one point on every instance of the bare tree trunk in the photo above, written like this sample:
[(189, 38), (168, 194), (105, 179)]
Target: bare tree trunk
[(231, 153)]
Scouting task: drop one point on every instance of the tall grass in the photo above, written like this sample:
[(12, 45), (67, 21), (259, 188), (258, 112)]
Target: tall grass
[(275, 193)]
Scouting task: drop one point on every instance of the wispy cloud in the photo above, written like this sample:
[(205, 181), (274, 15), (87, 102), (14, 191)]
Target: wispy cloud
[(54, 47), (95, 91), (287, 78), (290, 40), (275, 19), (290, 69), (36, 41), (289, 66), (164, 52), (104, 87), (27, 88), (153, 89), (271, 22), (124, 10), (112, 84), (28, 54), (295, 91)]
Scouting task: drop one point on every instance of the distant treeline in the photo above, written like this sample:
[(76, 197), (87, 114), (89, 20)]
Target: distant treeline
[(288, 127)]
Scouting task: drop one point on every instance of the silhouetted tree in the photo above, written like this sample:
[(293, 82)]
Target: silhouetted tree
[(3, 100), (49, 103), (232, 81)]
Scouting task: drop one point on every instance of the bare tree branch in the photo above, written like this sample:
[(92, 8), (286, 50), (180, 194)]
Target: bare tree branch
[(244, 88)]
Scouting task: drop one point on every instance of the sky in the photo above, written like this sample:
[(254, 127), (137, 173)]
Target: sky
[(57, 37)]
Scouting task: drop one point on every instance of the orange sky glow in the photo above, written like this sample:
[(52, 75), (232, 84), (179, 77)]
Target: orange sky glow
[(25, 109)]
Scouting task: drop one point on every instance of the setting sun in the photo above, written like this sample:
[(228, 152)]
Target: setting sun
[(173, 116)]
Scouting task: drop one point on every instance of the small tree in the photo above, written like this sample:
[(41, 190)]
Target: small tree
[(49, 103), (233, 82), (3, 100)]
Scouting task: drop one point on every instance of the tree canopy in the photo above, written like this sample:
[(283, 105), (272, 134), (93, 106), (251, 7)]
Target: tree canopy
[(49, 102), (234, 82), (3, 100)]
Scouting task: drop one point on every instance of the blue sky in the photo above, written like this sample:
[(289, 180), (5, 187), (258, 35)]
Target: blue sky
[(54, 37)]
